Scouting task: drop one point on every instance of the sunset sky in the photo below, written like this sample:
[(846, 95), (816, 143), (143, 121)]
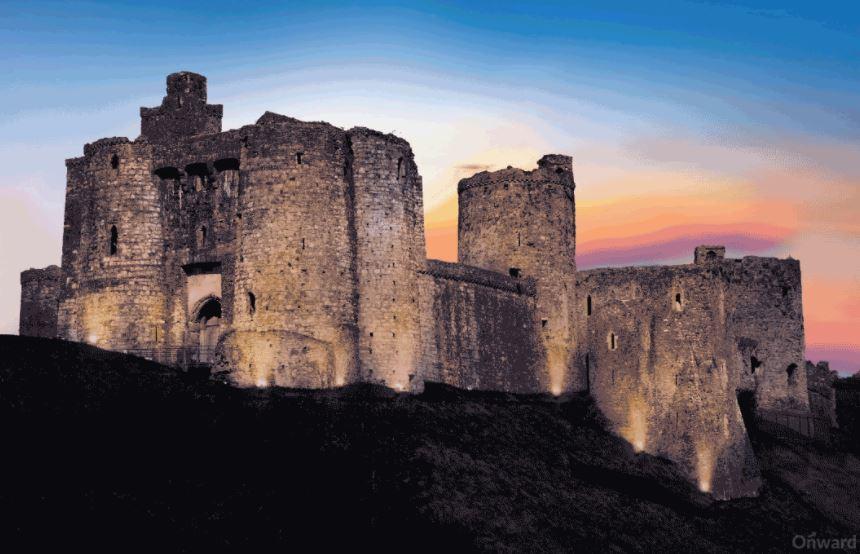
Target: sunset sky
[(689, 122)]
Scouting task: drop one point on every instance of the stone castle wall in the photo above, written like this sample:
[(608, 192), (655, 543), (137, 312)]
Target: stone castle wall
[(657, 356), (292, 253), (479, 329), (40, 291), (820, 380), (113, 294), (765, 316), (389, 249), (523, 223), (294, 277)]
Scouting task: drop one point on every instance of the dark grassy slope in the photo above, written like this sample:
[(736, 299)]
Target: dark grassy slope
[(104, 448)]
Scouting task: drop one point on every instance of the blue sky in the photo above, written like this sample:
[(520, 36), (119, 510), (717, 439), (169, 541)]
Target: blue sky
[(738, 121)]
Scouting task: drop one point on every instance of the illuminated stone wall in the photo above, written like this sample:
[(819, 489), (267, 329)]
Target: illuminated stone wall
[(294, 278), (389, 249), (312, 240), (113, 250), (40, 291), (522, 222), (658, 359), (479, 329)]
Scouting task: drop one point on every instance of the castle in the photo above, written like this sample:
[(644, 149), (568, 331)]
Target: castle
[(292, 253)]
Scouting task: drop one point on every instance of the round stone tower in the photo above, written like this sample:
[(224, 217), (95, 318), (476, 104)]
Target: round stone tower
[(522, 223), (115, 280), (389, 230), (293, 321)]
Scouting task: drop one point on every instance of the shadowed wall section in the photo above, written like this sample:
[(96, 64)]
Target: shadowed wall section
[(478, 329), (40, 290), (657, 355)]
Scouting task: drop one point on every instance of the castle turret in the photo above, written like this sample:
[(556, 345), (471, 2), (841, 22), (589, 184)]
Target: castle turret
[(293, 320), (113, 249), (389, 228), (183, 112), (522, 223)]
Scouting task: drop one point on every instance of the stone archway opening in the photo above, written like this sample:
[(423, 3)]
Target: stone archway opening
[(208, 329)]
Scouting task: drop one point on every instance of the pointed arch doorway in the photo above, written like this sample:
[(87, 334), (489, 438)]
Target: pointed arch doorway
[(208, 319)]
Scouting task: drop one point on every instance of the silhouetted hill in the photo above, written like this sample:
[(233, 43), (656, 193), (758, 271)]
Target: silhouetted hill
[(103, 448)]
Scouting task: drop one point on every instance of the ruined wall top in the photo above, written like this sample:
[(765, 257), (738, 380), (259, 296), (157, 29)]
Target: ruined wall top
[(478, 276), (708, 254), (552, 168), (183, 112), (52, 273)]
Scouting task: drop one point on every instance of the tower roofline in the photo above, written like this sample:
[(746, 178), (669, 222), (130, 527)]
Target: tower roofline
[(555, 168)]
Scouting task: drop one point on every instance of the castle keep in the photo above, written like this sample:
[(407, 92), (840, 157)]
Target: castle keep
[(292, 253)]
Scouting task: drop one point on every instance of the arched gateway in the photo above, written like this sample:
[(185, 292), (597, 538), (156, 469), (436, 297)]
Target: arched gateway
[(208, 329)]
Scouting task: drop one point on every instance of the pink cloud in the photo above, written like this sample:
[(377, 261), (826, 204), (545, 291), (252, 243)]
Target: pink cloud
[(660, 251)]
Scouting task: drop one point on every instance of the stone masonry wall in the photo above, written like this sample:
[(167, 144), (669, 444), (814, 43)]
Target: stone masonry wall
[(183, 112), (478, 329), (820, 380), (389, 249), (199, 179), (656, 354), (294, 279), (113, 295), (765, 316), (311, 238), (523, 222), (40, 292)]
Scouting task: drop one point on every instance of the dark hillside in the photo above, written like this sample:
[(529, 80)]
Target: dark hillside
[(103, 448)]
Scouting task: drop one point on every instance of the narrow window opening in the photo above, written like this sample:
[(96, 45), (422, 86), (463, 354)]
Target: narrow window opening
[(114, 162), (754, 364), (114, 240), (252, 303), (543, 322), (201, 237), (613, 344), (677, 304), (303, 244), (514, 272), (791, 371), (588, 305), (299, 158)]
